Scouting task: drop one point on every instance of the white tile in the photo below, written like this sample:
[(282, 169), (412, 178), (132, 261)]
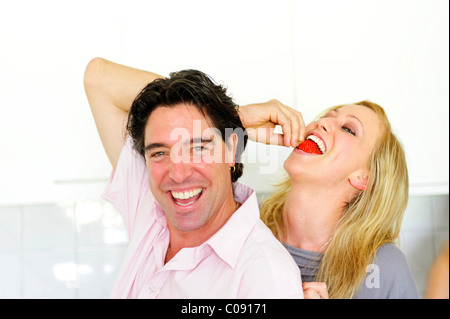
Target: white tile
[(115, 232), (99, 224), (98, 271), (10, 282), (48, 226), (9, 228), (440, 212), (50, 275), (418, 249), (440, 238), (89, 216), (418, 214)]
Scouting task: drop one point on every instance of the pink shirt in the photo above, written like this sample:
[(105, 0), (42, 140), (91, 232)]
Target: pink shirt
[(241, 260)]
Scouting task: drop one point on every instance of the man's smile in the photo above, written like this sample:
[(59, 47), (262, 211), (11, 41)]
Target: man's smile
[(186, 197)]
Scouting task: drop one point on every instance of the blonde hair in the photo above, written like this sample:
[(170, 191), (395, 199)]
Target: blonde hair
[(371, 219)]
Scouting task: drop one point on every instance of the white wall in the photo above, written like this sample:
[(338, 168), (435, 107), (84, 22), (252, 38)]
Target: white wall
[(308, 54)]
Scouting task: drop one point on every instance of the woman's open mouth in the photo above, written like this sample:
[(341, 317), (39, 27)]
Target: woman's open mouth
[(312, 145)]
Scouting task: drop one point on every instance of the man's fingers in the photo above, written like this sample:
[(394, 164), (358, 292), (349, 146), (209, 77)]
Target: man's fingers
[(265, 135), (261, 120), (291, 122)]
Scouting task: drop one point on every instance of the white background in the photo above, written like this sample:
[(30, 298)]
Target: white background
[(308, 54)]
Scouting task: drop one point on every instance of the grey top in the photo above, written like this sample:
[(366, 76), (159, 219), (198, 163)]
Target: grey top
[(388, 277)]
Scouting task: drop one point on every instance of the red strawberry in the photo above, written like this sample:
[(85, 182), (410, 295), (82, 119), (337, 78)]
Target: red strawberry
[(310, 147)]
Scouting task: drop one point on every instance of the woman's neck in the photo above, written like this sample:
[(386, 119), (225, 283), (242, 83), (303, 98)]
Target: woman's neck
[(310, 218)]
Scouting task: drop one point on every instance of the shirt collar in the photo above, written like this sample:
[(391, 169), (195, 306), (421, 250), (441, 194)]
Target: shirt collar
[(228, 241)]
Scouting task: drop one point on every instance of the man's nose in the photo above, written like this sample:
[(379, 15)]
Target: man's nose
[(180, 171)]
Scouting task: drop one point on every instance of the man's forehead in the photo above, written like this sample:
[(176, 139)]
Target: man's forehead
[(185, 124), (177, 116), (194, 130)]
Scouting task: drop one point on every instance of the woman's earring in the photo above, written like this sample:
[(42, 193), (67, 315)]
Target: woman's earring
[(232, 169)]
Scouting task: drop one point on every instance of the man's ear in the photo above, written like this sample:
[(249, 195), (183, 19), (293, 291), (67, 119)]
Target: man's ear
[(231, 149), (359, 180)]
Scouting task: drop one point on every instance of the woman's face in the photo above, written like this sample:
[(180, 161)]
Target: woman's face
[(347, 137)]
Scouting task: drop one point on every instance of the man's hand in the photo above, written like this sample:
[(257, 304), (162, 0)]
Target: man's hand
[(260, 120)]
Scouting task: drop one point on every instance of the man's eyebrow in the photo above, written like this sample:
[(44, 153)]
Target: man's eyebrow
[(194, 140), (154, 145), (201, 140)]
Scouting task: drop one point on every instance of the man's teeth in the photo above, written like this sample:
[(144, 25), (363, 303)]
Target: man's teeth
[(318, 141), (186, 195)]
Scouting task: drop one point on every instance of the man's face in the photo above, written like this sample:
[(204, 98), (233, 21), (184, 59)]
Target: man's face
[(187, 167)]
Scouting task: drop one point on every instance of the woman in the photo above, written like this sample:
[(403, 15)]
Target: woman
[(339, 212)]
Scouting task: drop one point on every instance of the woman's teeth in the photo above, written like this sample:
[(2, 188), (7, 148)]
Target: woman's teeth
[(318, 141)]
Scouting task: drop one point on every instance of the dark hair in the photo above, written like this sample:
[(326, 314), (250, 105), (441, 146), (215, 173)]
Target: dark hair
[(189, 87)]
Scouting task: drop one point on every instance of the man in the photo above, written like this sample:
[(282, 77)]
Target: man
[(193, 231)]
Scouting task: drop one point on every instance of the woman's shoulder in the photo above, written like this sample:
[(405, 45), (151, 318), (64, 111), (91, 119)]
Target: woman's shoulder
[(389, 276), (390, 255), (392, 263)]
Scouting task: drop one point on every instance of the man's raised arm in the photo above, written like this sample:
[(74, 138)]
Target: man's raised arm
[(111, 89)]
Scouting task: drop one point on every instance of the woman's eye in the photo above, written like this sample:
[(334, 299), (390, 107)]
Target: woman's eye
[(348, 130)]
